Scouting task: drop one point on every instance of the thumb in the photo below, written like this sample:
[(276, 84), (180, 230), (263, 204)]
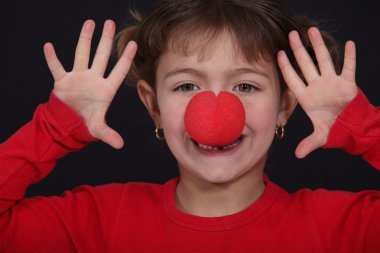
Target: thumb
[(308, 145), (110, 136)]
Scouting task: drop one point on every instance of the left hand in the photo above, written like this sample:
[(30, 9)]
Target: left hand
[(326, 93)]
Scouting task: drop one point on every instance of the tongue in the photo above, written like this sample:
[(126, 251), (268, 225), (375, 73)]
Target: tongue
[(215, 120)]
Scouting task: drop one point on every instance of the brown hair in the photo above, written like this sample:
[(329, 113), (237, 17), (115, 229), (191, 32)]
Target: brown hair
[(259, 28)]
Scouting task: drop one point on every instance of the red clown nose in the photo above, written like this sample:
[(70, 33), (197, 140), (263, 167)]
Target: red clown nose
[(215, 120)]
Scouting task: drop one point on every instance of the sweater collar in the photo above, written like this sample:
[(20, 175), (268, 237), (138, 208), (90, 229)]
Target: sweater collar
[(241, 218)]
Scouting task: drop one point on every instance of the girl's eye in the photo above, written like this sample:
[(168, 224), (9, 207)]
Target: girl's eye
[(187, 87), (245, 87)]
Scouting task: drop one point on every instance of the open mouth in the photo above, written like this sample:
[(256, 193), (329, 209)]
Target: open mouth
[(219, 148)]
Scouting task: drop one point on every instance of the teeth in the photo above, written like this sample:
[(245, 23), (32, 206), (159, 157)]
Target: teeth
[(205, 147)]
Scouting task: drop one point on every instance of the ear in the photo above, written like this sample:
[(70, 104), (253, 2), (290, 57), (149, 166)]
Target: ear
[(288, 103), (149, 98)]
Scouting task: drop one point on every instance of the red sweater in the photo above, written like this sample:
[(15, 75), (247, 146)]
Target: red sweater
[(140, 217)]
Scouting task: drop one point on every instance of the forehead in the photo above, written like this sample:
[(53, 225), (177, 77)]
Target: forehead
[(220, 52)]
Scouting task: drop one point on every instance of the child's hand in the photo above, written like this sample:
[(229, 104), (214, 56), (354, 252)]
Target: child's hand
[(326, 94), (85, 89)]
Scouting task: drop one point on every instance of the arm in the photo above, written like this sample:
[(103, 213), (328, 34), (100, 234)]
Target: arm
[(345, 221), (31, 153), (357, 130), (341, 114), (342, 117), (81, 219), (28, 156), (74, 115)]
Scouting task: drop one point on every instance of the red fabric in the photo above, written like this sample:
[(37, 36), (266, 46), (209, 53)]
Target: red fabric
[(141, 217), (357, 130)]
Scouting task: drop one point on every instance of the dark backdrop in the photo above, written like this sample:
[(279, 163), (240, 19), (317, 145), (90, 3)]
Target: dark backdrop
[(26, 82)]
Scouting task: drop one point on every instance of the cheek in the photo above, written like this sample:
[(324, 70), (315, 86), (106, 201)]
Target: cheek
[(260, 113), (172, 116)]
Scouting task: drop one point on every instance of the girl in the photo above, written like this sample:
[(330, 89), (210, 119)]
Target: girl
[(258, 54)]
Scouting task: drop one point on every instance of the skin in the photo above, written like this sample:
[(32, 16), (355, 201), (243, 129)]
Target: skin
[(209, 179), (223, 184)]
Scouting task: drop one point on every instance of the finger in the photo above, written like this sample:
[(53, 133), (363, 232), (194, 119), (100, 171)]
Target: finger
[(349, 65), (103, 51), (308, 145), (54, 64), (82, 52), (325, 62), (123, 65), (110, 136), (294, 82), (303, 58)]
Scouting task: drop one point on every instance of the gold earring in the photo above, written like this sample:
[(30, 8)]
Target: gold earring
[(158, 136), (280, 132)]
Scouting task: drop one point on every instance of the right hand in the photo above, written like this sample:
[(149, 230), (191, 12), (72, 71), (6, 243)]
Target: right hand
[(85, 89)]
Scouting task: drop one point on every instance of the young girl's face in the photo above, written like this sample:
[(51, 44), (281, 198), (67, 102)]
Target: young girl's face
[(179, 78)]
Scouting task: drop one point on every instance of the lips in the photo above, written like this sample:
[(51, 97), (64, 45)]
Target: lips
[(225, 150), (220, 148)]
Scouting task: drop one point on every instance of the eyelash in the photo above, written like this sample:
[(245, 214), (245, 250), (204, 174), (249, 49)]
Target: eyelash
[(191, 87), (182, 86), (252, 88)]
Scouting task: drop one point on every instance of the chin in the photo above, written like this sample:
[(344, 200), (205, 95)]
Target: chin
[(221, 175)]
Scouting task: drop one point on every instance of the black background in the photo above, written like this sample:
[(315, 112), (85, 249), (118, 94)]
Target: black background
[(26, 82)]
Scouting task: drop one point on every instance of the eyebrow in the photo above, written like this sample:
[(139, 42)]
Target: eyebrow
[(243, 70), (177, 71)]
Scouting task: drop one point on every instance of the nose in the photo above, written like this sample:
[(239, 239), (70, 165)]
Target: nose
[(214, 120)]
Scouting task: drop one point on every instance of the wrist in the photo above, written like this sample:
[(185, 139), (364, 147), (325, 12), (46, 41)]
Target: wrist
[(67, 118)]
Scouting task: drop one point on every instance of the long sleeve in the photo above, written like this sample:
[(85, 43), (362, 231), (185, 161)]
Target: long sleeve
[(357, 130), (79, 220), (31, 153), (347, 221)]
